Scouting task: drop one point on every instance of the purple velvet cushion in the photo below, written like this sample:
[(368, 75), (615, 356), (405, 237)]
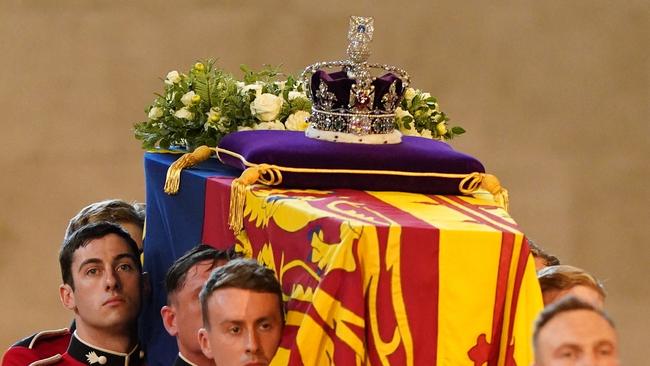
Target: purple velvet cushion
[(293, 149)]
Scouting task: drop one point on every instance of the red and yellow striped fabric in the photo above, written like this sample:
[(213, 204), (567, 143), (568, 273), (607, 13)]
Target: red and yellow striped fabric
[(388, 278)]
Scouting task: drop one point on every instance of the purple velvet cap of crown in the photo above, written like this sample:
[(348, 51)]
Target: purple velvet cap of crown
[(294, 149), (339, 83)]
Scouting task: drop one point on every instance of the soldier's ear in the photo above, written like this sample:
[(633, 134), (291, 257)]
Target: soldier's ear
[(66, 293), (168, 314), (204, 342)]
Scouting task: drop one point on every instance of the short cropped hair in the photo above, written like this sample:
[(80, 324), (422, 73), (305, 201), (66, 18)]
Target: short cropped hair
[(113, 210), (538, 252), (83, 236), (177, 273), (244, 274), (564, 277), (566, 304)]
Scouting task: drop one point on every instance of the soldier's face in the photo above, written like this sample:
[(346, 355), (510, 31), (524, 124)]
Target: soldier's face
[(106, 294), (187, 308), (578, 337), (245, 327)]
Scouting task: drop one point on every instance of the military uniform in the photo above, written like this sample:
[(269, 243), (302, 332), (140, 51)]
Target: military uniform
[(80, 353), (37, 347), (182, 361)]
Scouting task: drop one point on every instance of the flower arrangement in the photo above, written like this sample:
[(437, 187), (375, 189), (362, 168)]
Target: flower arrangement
[(202, 106), (419, 115)]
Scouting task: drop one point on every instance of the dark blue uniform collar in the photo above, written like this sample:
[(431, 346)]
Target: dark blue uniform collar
[(182, 361), (90, 355)]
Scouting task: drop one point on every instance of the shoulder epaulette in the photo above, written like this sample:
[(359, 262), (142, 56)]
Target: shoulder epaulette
[(47, 361), (47, 334)]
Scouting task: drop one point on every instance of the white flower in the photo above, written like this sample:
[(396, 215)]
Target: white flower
[(296, 94), (409, 94), (155, 113), (426, 133), (424, 96), (297, 121), (244, 128), (410, 131), (184, 113), (187, 98), (266, 107), (240, 85), (257, 87), (173, 77), (281, 84), (272, 125), (214, 115), (400, 113), (441, 128)]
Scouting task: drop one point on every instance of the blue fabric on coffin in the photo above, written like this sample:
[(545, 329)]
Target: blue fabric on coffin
[(166, 240), (294, 149)]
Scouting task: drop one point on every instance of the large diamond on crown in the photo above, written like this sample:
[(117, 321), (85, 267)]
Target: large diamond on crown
[(352, 104)]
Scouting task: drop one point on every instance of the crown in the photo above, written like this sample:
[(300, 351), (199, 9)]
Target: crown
[(352, 105)]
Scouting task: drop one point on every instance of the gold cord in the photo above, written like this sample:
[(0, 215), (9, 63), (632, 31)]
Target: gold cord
[(271, 175)]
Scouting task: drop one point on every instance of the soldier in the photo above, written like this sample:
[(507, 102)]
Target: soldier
[(241, 306), (182, 314), (50, 342), (102, 284), (574, 332)]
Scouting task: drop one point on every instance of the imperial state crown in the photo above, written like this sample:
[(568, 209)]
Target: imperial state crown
[(352, 105)]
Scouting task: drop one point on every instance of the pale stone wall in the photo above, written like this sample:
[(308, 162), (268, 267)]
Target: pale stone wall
[(554, 95)]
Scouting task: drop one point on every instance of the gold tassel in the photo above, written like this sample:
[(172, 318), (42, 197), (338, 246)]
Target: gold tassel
[(491, 184), (238, 191), (173, 180)]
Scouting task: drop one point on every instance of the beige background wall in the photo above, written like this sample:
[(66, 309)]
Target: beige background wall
[(554, 94)]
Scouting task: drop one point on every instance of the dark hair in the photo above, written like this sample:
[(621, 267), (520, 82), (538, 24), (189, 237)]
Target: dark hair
[(177, 273), (538, 252), (564, 277), (85, 235), (566, 304), (113, 210), (244, 274)]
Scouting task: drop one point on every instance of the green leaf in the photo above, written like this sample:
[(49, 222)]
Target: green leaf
[(457, 130)]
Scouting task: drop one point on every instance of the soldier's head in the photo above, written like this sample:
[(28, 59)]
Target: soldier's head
[(243, 314), (183, 282), (574, 332), (559, 281), (102, 279), (129, 215)]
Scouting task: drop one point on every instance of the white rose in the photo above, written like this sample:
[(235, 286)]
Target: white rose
[(426, 133), (409, 94), (214, 114), (281, 84), (400, 113), (184, 113), (272, 125), (266, 107), (409, 132), (155, 113), (296, 94), (256, 87), (297, 121), (186, 99), (173, 77)]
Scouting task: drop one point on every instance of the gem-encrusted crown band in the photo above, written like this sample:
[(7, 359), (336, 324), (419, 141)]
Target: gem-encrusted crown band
[(352, 105)]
